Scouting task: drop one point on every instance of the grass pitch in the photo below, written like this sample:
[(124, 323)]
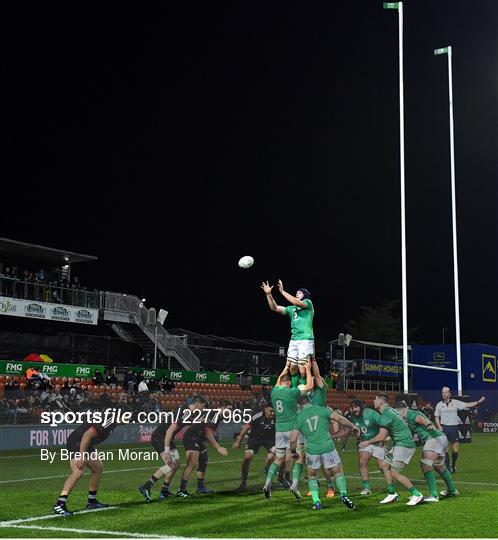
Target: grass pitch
[(30, 487)]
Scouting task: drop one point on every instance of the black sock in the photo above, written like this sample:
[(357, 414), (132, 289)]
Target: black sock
[(245, 470), (150, 482), (165, 486), (200, 483), (92, 497), (447, 460), (183, 484), (62, 500), (454, 457)]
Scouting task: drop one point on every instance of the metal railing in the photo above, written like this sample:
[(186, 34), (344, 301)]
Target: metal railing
[(138, 314), (393, 386), (50, 292)]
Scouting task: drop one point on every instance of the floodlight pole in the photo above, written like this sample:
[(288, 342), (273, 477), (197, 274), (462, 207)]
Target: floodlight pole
[(448, 52), (399, 7), (154, 364)]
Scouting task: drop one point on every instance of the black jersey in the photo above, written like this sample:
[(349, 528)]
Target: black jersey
[(102, 432), (262, 426), (178, 416)]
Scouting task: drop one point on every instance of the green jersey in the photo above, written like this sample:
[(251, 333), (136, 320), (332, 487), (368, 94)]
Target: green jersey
[(398, 430), (418, 429), (301, 320), (284, 401), (313, 422), (318, 395), (368, 423)]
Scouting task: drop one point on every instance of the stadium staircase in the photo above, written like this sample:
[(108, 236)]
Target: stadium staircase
[(129, 318)]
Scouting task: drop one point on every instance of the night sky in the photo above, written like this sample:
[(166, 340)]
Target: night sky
[(170, 140)]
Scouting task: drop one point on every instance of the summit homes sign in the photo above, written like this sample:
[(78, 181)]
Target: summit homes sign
[(50, 312)]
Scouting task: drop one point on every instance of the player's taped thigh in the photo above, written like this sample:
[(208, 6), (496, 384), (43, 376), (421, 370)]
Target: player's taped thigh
[(280, 452), (166, 469), (428, 462), (203, 462), (398, 465), (439, 461)]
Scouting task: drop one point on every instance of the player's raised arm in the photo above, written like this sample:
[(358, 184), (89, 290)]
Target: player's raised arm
[(423, 421), (271, 301), (316, 374), (284, 372), (309, 381), (291, 299)]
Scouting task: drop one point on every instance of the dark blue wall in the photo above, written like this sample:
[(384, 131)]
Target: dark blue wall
[(477, 377)]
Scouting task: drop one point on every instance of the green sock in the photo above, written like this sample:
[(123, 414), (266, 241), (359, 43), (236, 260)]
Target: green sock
[(448, 480), (366, 485), (313, 485), (295, 380), (391, 489), (272, 470), (330, 483), (431, 482), (341, 484), (414, 491), (296, 471)]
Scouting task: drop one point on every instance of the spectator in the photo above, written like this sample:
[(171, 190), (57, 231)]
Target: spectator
[(334, 375), (110, 378), (97, 378), (143, 386), (129, 382)]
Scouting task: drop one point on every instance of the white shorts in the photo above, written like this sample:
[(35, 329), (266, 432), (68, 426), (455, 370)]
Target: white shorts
[(400, 455), (328, 460), (436, 444), (301, 348), (282, 441), (375, 450)]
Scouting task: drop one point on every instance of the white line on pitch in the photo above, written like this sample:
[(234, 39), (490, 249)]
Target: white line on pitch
[(126, 534), (110, 471), (52, 516)]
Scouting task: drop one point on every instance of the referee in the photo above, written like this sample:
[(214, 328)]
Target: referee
[(447, 420)]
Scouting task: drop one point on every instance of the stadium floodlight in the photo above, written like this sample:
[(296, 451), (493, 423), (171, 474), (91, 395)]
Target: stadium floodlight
[(399, 7), (143, 300), (449, 53)]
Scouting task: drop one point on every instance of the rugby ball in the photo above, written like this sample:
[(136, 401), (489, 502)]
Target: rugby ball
[(246, 262)]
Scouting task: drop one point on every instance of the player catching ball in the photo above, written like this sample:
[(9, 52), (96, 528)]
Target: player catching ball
[(301, 313)]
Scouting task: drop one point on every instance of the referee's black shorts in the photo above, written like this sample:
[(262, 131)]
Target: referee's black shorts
[(451, 433)]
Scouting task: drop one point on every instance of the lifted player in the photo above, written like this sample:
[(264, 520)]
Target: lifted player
[(81, 444), (301, 313), (163, 441), (196, 451), (284, 401), (313, 422), (368, 422), (261, 431), (433, 453), (400, 454)]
